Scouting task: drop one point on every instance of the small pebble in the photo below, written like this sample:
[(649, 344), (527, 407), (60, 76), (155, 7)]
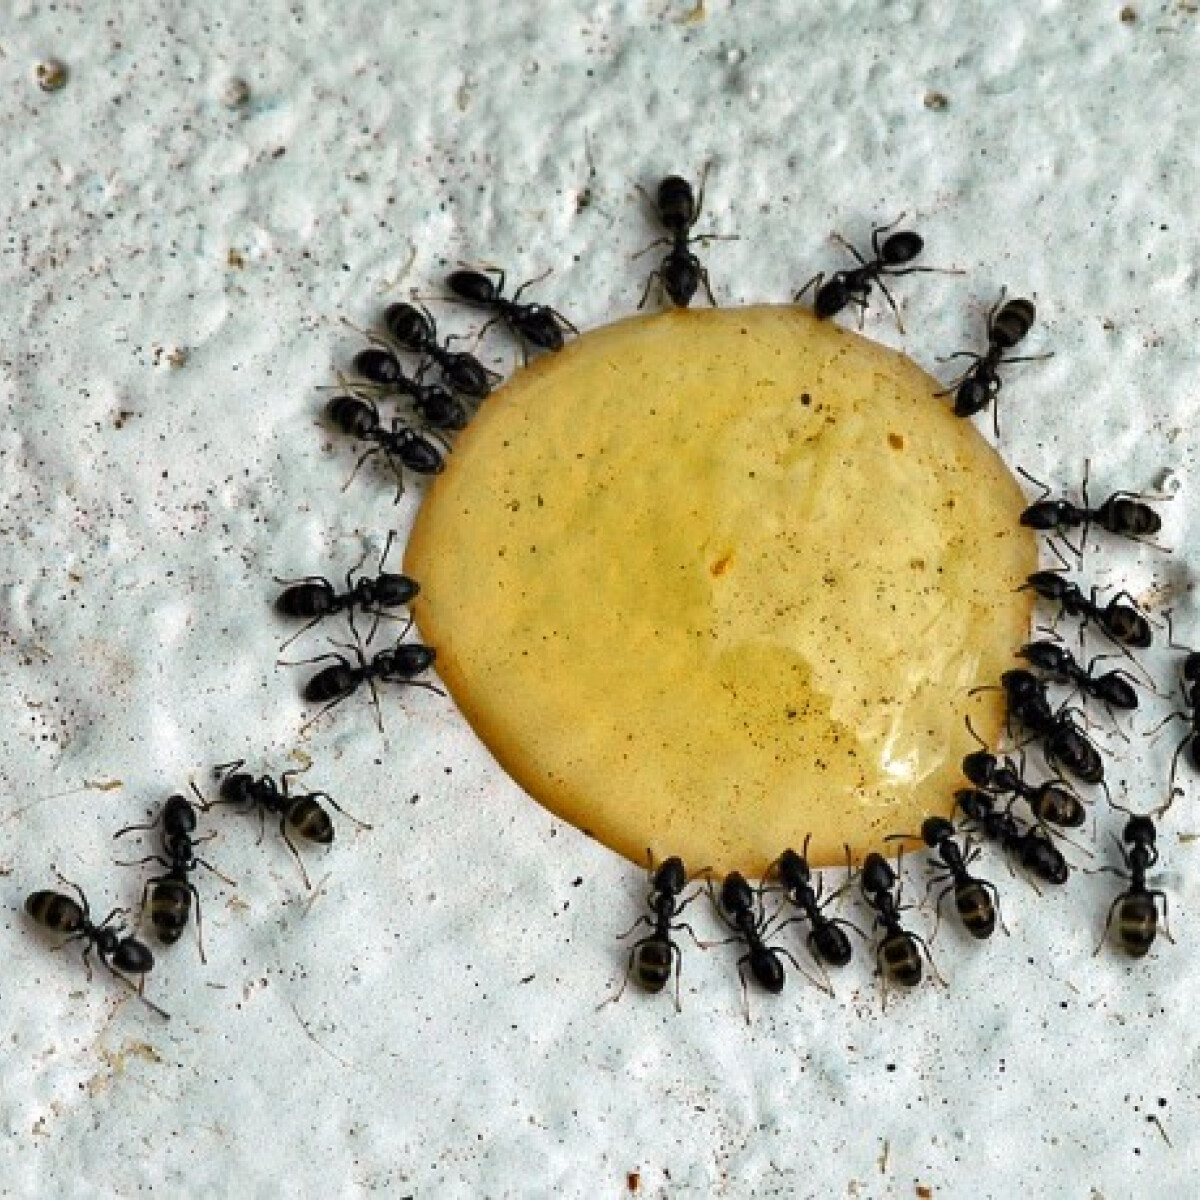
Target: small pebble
[(51, 75), (236, 94), (937, 101)]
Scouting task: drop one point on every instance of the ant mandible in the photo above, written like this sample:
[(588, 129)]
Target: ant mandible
[(1136, 908), (1008, 323), (63, 914), (414, 329), (854, 286), (302, 813), (1124, 514), (316, 598), (653, 957), (171, 895), (680, 272), (359, 418), (535, 325)]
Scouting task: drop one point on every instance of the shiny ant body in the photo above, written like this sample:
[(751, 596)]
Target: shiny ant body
[(1050, 801), (843, 288), (122, 956), (652, 958), (401, 663), (315, 597), (741, 908), (898, 955), (414, 329), (1136, 908), (1008, 323), (437, 407), (680, 271), (1063, 742), (977, 901), (1121, 623), (171, 895), (1189, 745), (359, 418), (1124, 514), (827, 940), (1114, 689), (1032, 848), (301, 814), (535, 325)]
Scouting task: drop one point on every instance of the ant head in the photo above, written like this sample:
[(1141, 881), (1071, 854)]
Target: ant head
[(178, 816), (680, 278), (980, 767), (877, 874), (1191, 666), (1050, 585), (736, 894), (394, 590), (899, 248), (472, 286), (974, 804), (831, 297), (411, 327), (793, 869), (1140, 830), (353, 415), (1049, 656), (936, 830), (378, 366), (670, 876)]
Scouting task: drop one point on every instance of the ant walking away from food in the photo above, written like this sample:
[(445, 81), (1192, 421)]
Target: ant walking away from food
[(1008, 323), (854, 286), (414, 329), (1136, 908), (653, 957), (401, 663), (302, 814), (897, 955), (360, 419), (827, 940), (122, 956), (1121, 623), (1124, 514), (171, 895), (680, 271), (316, 598), (977, 901), (1032, 848), (535, 325)]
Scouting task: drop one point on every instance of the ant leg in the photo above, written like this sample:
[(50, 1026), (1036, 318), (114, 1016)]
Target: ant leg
[(745, 991), (299, 633), (229, 767), (1159, 894), (304, 662), (679, 969), (219, 874), (937, 923), (818, 279), (823, 986), (1108, 923), (662, 241), (559, 317), (887, 295), (334, 804), (937, 975), (529, 282), (862, 262), (358, 465), (137, 990), (649, 283), (131, 828), (708, 287), (199, 930), (643, 920), (137, 862), (624, 982), (295, 853)]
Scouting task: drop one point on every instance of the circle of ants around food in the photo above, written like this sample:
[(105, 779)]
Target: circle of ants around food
[(710, 581)]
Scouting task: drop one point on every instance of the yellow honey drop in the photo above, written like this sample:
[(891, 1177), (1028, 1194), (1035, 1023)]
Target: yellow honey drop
[(711, 581)]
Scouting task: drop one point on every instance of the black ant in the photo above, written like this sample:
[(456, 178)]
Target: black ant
[(652, 958), (680, 271), (62, 914), (302, 813), (1032, 848), (401, 663), (976, 899), (1190, 686), (741, 908), (360, 419), (1114, 689), (534, 324), (1050, 801), (171, 895), (854, 286), (1124, 514), (1136, 908), (414, 329), (827, 941), (316, 598), (1008, 323), (1121, 623), (897, 955), (437, 407)]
